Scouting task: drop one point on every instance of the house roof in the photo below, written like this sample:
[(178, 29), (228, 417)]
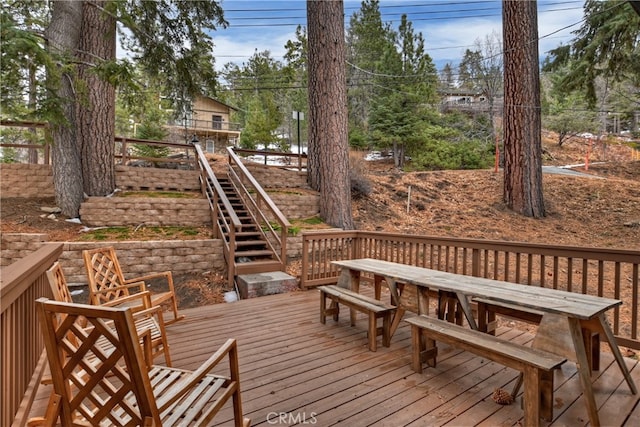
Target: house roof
[(220, 102)]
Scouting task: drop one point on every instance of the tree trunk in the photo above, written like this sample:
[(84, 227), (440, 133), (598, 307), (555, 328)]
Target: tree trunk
[(63, 36), (328, 161), (522, 126), (96, 111)]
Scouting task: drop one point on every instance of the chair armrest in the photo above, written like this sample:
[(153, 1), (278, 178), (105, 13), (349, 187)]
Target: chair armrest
[(166, 274), (228, 348), (154, 311), (147, 350), (144, 297)]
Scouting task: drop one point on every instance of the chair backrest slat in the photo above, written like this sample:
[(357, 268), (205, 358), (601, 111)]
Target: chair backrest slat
[(104, 273), (97, 382)]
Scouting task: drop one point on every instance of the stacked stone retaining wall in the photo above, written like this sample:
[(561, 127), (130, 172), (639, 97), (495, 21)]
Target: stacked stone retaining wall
[(156, 179), (296, 205), (136, 257), (26, 180), (150, 211), (277, 177)]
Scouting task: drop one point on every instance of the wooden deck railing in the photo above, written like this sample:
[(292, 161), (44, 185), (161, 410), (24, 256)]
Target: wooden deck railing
[(288, 160), (22, 345), (126, 155), (612, 273)]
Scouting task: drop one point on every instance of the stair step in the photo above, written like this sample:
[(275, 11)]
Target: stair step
[(253, 267), (254, 253), (245, 243)]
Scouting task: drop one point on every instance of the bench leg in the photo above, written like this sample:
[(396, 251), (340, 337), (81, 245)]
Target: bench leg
[(537, 401), (424, 349), (417, 347), (486, 319), (323, 308), (334, 308), (532, 399), (373, 331), (546, 395), (386, 329)]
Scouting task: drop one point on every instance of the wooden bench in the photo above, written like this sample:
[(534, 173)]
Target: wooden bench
[(487, 322), (536, 365), (374, 308)]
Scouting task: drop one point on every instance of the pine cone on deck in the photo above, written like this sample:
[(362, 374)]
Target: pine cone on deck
[(502, 397)]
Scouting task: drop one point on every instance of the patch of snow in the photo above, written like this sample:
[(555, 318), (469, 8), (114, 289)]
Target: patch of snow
[(230, 296)]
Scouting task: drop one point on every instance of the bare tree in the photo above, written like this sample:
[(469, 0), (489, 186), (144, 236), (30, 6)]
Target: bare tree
[(490, 72), (328, 163), (522, 126)]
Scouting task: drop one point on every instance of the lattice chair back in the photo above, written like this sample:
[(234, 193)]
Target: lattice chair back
[(100, 374), (58, 283), (106, 281), (149, 318)]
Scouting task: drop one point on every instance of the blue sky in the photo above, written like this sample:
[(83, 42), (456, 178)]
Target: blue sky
[(449, 27)]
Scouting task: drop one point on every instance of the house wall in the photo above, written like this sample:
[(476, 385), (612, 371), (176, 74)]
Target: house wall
[(205, 108)]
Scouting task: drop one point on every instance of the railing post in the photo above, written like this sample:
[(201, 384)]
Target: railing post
[(475, 262), (357, 246), (124, 151), (305, 261)]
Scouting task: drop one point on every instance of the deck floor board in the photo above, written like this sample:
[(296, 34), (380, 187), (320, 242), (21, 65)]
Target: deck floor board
[(295, 370)]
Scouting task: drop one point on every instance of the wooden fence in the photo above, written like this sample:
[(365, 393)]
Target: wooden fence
[(611, 273), (21, 342)]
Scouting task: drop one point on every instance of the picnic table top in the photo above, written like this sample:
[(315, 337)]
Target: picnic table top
[(572, 304)]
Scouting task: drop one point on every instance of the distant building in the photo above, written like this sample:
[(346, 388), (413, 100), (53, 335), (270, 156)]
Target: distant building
[(464, 100), (208, 123)]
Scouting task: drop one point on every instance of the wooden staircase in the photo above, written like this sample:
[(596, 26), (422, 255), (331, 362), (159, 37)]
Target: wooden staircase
[(252, 228), (252, 252)]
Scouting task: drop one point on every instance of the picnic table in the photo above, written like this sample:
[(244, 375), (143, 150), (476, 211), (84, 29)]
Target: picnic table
[(564, 314)]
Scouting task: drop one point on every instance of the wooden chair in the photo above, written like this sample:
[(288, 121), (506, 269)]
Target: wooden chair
[(149, 318), (112, 386), (107, 282)]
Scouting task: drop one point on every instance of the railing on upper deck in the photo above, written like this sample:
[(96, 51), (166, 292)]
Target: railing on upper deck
[(22, 345), (283, 159), (611, 273), (32, 150), (181, 155)]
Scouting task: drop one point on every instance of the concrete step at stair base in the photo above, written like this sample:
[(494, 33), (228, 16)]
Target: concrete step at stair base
[(259, 284)]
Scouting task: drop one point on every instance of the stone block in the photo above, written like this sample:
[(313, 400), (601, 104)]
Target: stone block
[(260, 284)]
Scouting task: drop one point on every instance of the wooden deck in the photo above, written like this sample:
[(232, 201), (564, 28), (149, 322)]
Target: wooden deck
[(294, 370)]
